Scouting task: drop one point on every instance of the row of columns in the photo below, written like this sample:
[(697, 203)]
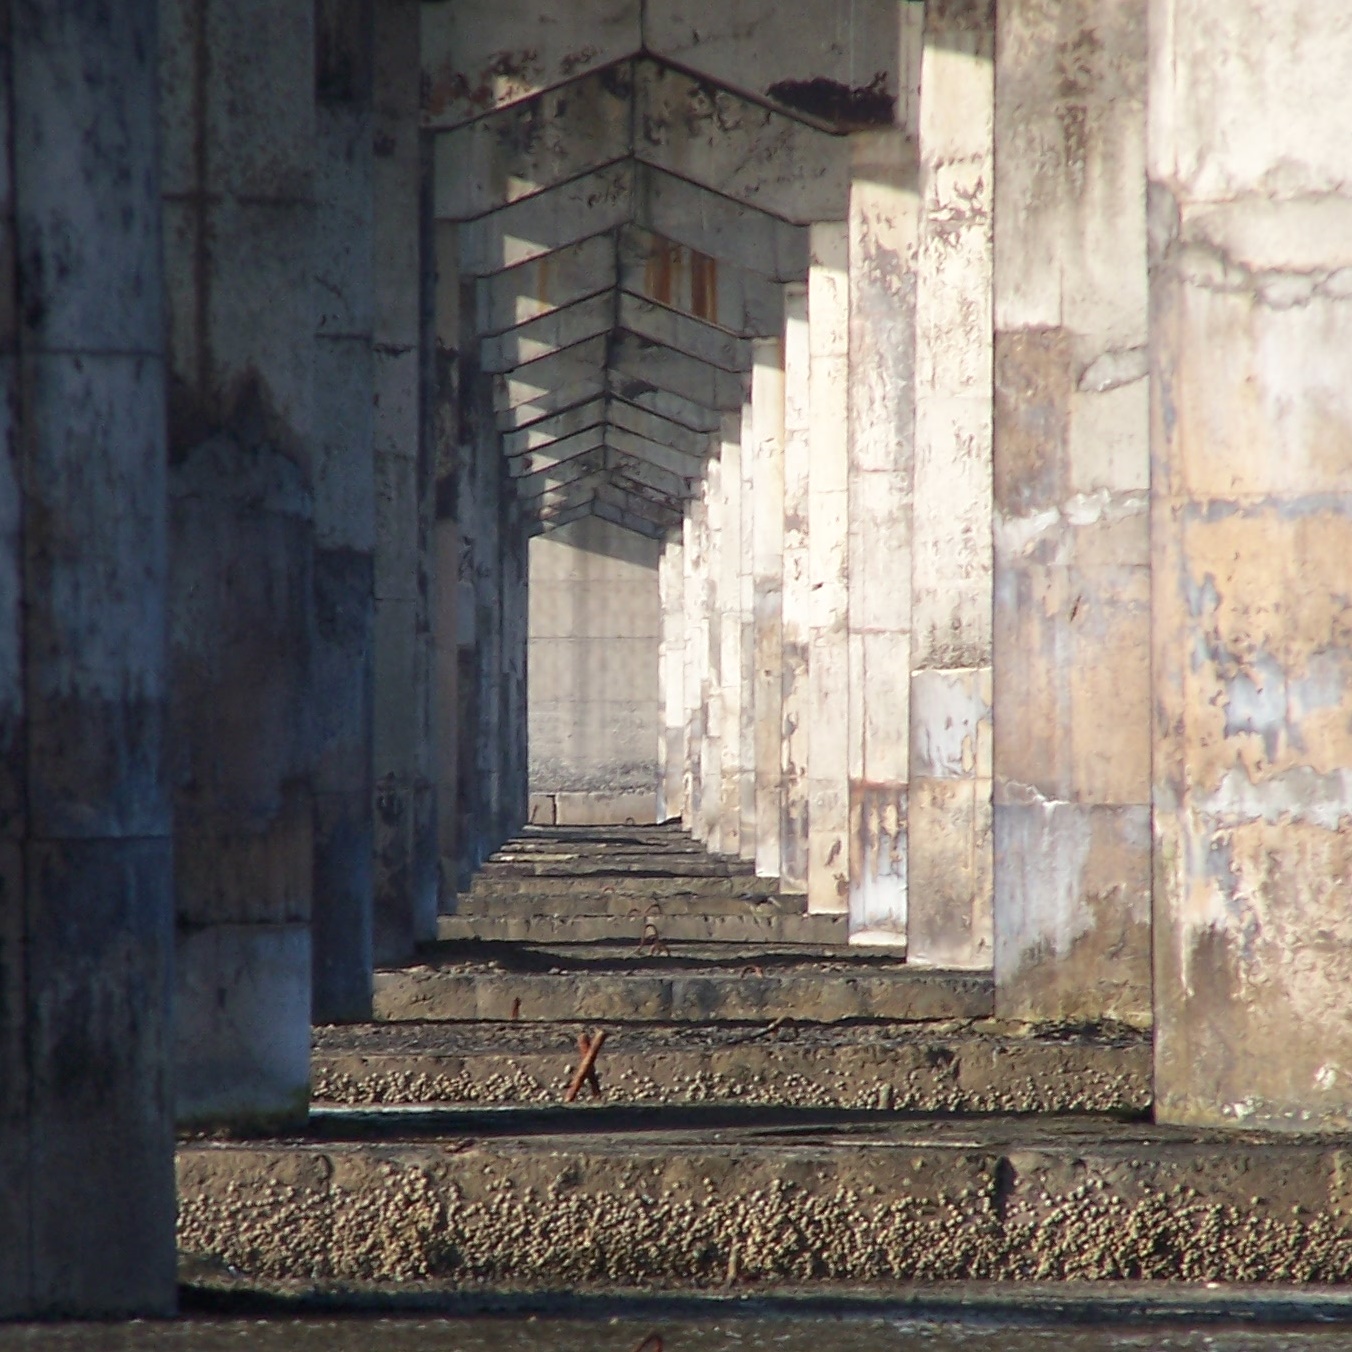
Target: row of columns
[(215, 643), (1046, 530)]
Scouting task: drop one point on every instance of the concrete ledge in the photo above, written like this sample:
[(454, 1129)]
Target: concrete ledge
[(925, 1201), (569, 808), (761, 925), (905, 1068), (809, 993)]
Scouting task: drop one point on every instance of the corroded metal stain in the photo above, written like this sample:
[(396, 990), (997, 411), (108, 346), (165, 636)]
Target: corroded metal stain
[(848, 108)]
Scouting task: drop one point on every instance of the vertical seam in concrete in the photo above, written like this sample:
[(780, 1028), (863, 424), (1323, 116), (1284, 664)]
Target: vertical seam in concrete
[(201, 166)]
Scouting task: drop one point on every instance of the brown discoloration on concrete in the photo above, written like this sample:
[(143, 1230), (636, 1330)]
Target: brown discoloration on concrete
[(1072, 604), (987, 1204)]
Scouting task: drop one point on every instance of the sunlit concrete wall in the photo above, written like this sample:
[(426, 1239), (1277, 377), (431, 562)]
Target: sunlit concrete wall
[(593, 713)]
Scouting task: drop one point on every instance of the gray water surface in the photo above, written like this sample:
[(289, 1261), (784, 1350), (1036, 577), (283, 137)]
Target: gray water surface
[(572, 1335)]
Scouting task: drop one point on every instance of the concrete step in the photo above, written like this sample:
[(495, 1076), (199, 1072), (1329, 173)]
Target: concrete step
[(630, 899), (938, 1067), (611, 866), (753, 1201), (468, 981), (761, 924), (634, 889)]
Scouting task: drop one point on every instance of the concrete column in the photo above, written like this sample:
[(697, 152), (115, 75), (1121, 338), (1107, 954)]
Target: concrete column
[(767, 557), (746, 589), (1072, 554), (344, 513), (695, 650), (711, 683), (86, 919), (1250, 168), (884, 222), (405, 845), (671, 667), (238, 83), (730, 636), (949, 840), (828, 312), (795, 702)]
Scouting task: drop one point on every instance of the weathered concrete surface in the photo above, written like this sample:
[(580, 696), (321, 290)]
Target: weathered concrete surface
[(1071, 461), (671, 681), (238, 179), (627, 987), (929, 1200), (755, 924), (884, 239), (949, 800), (1251, 442), (86, 886), (731, 692), (905, 1068), (595, 627), (828, 704), (766, 458), (344, 602), (796, 598)]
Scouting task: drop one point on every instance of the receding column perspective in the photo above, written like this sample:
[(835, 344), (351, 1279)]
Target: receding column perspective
[(1251, 531), (86, 886), (713, 633), (239, 156)]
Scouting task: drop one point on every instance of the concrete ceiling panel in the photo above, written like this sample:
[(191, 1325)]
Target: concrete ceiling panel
[(531, 486), (745, 150), (700, 285), (550, 402), (548, 333), (676, 373), (529, 147), (694, 337), (654, 427), (551, 220), (538, 379), (833, 62), (645, 395), (549, 430), (505, 299), (568, 448), (717, 225), (477, 57), (682, 466)]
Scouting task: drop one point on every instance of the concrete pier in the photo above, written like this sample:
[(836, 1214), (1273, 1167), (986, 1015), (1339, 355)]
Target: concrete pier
[(86, 878), (1250, 523), (1072, 771)]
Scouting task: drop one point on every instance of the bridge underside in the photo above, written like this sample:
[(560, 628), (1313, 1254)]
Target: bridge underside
[(908, 443)]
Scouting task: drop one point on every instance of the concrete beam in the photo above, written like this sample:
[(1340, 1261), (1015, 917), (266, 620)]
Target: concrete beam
[(695, 337), (654, 453), (741, 300), (534, 288), (612, 509), (529, 487), (675, 372), (547, 333), (637, 392), (532, 146), (556, 521), (562, 450), (700, 131), (654, 427), (540, 435), (536, 381), (832, 63), (547, 403), (473, 60)]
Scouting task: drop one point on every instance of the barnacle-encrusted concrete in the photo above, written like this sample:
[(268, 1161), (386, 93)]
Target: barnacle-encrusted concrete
[(931, 1200), (974, 1067)]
